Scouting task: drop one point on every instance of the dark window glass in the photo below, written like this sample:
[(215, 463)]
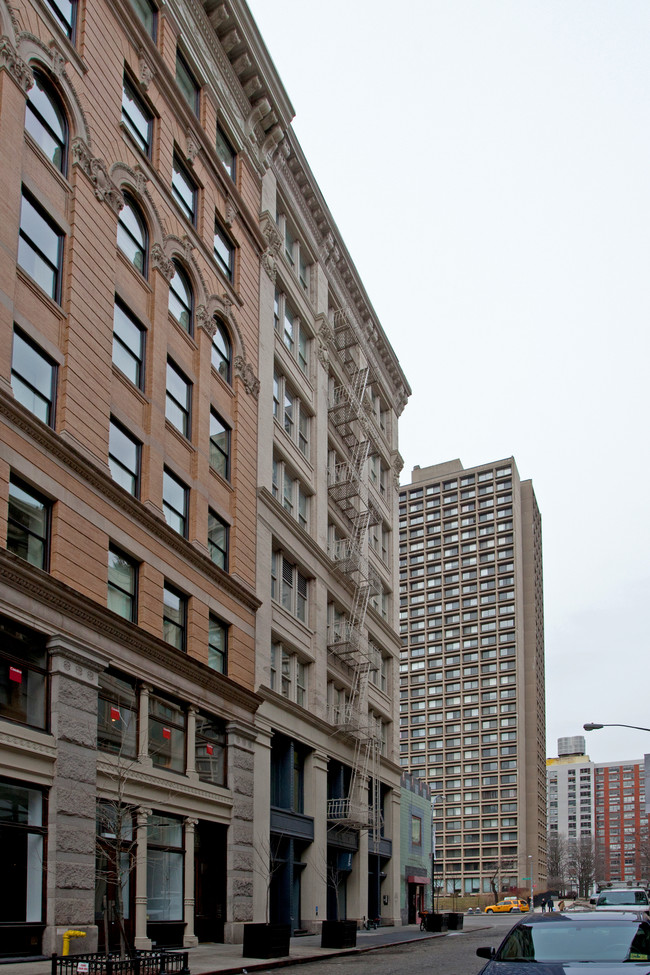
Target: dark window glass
[(28, 523), (22, 858), (65, 12), (128, 345), (23, 674), (184, 190), (218, 540), (117, 715), (166, 738), (218, 645), (181, 299), (122, 584), (219, 445), (175, 496), (124, 458), (33, 378), (174, 617), (40, 247), (222, 352), (148, 14), (210, 749), (178, 399), (132, 237), (224, 252), (187, 83), (45, 120), (137, 118), (226, 153)]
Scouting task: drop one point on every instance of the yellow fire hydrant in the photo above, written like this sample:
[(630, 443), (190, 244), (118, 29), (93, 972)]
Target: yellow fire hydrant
[(66, 939)]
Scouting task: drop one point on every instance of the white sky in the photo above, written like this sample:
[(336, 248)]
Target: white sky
[(488, 165)]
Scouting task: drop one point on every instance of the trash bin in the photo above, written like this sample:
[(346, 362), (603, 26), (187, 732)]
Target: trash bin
[(455, 921), (436, 922)]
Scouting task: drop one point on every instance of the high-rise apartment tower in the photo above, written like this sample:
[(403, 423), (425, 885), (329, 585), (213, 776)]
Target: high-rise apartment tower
[(472, 671)]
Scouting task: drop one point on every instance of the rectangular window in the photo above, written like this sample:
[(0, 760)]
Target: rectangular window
[(23, 675), (28, 524), (218, 645), (187, 83), (178, 401), (117, 715), (218, 537), (175, 503), (288, 674), (184, 190), (293, 414), (122, 584), (65, 15), (167, 733), (40, 247), (219, 445), (416, 831), (292, 330), (210, 749), (22, 859), (148, 14), (226, 153), (136, 118), (128, 345), (288, 489), (224, 252), (33, 378), (174, 617), (291, 588), (124, 453)]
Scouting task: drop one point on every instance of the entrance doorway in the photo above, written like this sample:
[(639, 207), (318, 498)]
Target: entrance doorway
[(210, 870)]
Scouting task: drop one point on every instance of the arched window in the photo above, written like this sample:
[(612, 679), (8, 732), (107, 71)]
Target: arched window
[(46, 122), (181, 298), (222, 352), (132, 237)]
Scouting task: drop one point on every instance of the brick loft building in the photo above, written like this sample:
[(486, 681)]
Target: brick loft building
[(198, 466), (472, 720)]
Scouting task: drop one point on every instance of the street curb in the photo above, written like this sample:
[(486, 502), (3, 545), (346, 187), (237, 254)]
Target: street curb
[(333, 953)]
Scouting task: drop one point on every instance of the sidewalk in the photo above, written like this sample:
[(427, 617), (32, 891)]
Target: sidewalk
[(218, 959)]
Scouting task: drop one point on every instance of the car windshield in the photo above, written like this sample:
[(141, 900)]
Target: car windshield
[(609, 898), (573, 941)]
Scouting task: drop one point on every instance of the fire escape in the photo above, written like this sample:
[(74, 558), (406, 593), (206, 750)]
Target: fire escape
[(348, 640)]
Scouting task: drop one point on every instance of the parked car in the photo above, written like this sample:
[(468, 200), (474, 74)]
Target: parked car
[(622, 898), (507, 906), (615, 941)]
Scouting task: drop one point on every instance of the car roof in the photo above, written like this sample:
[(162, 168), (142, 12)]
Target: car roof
[(595, 917)]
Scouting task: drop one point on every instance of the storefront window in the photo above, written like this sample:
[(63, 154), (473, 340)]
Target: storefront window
[(210, 749), (165, 869), (23, 675), (22, 838)]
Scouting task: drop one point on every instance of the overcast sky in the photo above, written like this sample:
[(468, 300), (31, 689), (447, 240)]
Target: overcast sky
[(488, 165)]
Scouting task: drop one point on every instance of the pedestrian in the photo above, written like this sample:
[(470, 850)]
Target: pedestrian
[(544, 906), (561, 905), (550, 905)]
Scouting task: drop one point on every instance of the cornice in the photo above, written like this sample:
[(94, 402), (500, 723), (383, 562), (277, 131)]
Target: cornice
[(178, 786), (68, 604), (75, 461)]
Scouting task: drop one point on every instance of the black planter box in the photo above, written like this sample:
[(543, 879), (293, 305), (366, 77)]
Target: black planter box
[(436, 922), (338, 934), (266, 940), (455, 921)]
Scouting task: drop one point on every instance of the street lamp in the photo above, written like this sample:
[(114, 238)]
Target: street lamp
[(595, 726), (532, 885), (434, 799)]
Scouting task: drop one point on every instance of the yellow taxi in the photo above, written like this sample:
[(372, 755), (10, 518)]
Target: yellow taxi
[(507, 906)]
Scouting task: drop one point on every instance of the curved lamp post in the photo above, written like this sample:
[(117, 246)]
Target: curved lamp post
[(595, 726), (434, 799)]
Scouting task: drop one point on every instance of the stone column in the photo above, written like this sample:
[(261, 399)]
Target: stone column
[(242, 830), (190, 940), (72, 799), (143, 726), (313, 908), (141, 940), (190, 762)]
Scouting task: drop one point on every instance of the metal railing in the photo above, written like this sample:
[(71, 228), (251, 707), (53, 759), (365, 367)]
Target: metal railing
[(141, 963)]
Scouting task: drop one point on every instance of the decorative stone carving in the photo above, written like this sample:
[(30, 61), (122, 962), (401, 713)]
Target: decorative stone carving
[(161, 262), (146, 70), (141, 180), (205, 321), (96, 171), (231, 211), (274, 241), (58, 60), (246, 373), (188, 247), (192, 146), (17, 68), (323, 354)]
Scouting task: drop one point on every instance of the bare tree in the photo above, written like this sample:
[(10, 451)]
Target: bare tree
[(556, 862), (495, 869), (581, 864)]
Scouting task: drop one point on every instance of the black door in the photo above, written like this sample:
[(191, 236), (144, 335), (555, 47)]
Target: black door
[(209, 881)]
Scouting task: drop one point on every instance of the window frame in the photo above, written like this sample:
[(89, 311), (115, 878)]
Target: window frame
[(213, 547), (290, 593), (37, 394), (291, 413), (214, 738), (289, 674), (69, 27), (297, 503), (180, 170), (175, 727), (176, 405), (227, 267), (135, 475), (43, 84), (19, 667), (297, 338), (123, 230), (138, 6), (126, 348), (224, 454), (54, 291), (225, 148), (143, 142), (215, 652), (44, 539), (113, 700), (224, 361), (178, 626), (132, 596), (182, 516), (193, 103)]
